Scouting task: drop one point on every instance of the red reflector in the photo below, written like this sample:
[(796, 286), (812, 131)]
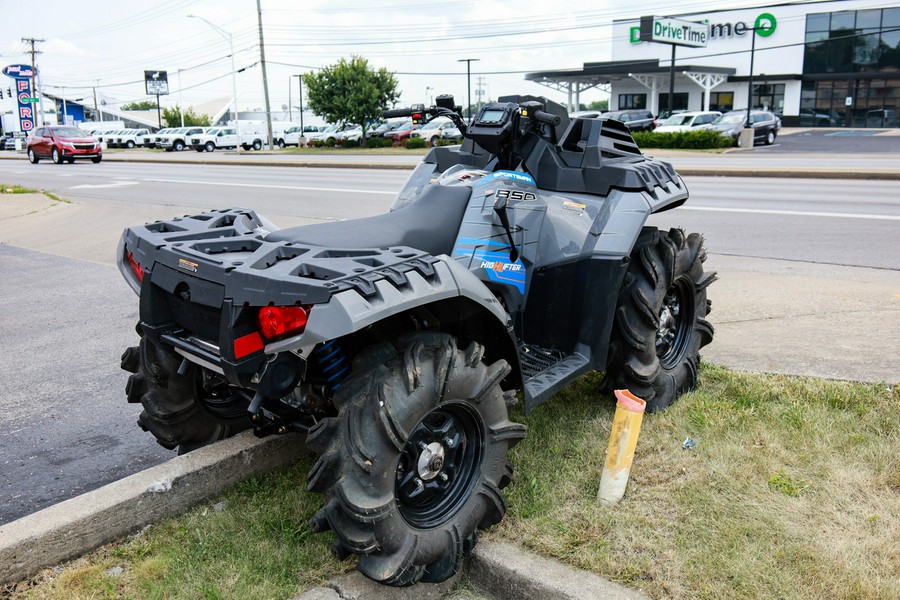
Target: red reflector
[(138, 271), (276, 321), (247, 345)]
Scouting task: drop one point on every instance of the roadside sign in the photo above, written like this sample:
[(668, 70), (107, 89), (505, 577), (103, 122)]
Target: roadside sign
[(674, 31), (26, 99), (156, 83), (19, 71)]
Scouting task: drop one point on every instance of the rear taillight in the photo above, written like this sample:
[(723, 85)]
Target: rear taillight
[(279, 321), (138, 271)]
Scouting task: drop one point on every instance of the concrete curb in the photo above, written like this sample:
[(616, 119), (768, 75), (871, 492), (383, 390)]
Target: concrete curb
[(77, 526), (503, 571), (507, 572)]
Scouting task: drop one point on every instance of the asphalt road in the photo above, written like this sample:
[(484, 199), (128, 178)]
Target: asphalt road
[(852, 223), (64, 425)]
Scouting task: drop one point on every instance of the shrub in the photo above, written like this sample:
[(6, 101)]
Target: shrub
[(412, 143), (377, 143), (702, 139), (443, 142), (330, 142), (351, 144)]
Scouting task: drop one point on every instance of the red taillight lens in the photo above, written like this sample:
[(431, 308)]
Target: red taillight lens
[(276, 321), (138, 271)]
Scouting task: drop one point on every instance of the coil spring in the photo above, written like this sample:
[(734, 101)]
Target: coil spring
[(332, 363)]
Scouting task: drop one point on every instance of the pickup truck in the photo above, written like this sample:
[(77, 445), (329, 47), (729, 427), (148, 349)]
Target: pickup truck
[(129, 138), (176, 138), (226, 137)]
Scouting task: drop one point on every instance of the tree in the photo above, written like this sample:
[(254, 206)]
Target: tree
[(351, 92), (142, 105), (172, 117), (602, 105)]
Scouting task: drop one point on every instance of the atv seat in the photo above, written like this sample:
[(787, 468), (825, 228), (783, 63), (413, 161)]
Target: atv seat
[(429, 223)]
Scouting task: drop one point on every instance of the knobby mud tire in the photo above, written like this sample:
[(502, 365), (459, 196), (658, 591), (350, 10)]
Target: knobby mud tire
[(663, 266), (171, 411), (393, 391)]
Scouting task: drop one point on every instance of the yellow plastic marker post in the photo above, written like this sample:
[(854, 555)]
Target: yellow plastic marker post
[(623, 439)]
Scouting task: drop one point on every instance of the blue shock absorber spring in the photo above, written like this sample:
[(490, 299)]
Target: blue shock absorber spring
[(332, 363)]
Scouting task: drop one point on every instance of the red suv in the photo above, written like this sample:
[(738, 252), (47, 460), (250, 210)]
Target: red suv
[(62, 143)]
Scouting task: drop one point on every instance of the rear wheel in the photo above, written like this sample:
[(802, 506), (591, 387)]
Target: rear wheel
[(185, 411), (257, 145), (660, 322), (770, 138), (55, 156), (414, 462), (281, 144), (32, 157)]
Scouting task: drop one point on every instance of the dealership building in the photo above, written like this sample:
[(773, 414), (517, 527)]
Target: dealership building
[(824, 64)]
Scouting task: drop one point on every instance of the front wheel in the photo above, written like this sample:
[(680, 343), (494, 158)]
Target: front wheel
[(96, 159), (32, 157), (56, 157), (770, 138), (210, 147), (129, 144), (660, 321), (179, 146), (413, 464)]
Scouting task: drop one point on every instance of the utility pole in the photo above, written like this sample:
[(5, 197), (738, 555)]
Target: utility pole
[(479, 91), (262, 60), (34, 90), (468, 62)]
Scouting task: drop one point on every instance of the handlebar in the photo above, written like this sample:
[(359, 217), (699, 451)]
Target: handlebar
[(397, 112), (545, 117)]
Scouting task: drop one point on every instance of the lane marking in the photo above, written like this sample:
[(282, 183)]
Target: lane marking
[(273, 187), (87, 186), (794, 213)]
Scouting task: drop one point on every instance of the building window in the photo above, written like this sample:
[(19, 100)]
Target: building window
[(681, 101), (632, 101), (721, 101), (852, 41), (769, 97)]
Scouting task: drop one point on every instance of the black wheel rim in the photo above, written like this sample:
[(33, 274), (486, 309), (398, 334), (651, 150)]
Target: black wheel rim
[(221, 400), (439, 465), (675, 323)]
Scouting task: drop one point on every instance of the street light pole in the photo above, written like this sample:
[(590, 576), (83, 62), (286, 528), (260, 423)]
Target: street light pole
[(468, 62), (300, 85), (227, 36)]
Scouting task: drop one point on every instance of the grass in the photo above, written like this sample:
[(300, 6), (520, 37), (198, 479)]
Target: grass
[(793, 491), (18, 189)]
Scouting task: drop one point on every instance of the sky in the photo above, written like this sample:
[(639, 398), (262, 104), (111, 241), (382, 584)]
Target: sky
[(107, 45)]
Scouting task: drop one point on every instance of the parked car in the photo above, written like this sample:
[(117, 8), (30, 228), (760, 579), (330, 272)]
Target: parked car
[(177, 139), (586, 114), (350, 133), (812, 118), (62, 143), (881, 118), (764, 124), (432, 130), (321, 135), (635, 120), (8, 141), (686, 121), (130, 138), (402, 132), (452, 134)]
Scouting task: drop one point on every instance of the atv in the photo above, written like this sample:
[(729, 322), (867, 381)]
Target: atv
[(517, 261)]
